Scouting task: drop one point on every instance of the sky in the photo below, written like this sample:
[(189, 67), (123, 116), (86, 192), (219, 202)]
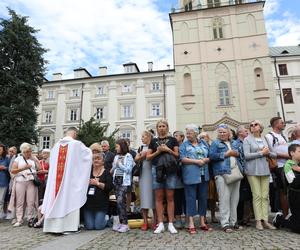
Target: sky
[(95, 33)]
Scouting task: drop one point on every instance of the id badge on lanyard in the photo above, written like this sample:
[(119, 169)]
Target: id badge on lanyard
[(91, 191)]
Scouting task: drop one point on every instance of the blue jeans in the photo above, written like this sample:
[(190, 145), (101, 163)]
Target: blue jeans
[(94, 220), (195, 192)]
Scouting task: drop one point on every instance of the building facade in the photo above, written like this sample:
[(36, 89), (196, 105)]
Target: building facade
[(223, 70), (286, 73), (132, 102)]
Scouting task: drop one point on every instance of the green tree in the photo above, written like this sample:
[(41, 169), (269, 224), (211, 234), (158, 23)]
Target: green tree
[(93, 131), (22, 68)]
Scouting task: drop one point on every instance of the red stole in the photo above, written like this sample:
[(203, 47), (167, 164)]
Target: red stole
[(60, 166)]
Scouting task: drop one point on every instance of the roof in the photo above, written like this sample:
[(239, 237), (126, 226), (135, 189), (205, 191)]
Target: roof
[(285, 51)]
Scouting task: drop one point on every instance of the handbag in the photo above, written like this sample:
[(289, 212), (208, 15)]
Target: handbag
[(137, 169), (235, 175), (272, 163), (36, 181)]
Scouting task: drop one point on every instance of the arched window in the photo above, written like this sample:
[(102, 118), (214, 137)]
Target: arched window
[(259, 78), (185, 33), (188, 5), (187, 81), (224, 97), (218, 28), (251, 24)]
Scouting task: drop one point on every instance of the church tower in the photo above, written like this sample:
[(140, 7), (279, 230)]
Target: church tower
[(223, 71)]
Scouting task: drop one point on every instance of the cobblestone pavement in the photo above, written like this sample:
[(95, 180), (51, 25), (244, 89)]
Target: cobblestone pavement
[(249, 238)]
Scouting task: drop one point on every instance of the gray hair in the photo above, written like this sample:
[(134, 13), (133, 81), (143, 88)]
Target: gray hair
[(25, 146), (104, 142), (193, 127), (239, 129)]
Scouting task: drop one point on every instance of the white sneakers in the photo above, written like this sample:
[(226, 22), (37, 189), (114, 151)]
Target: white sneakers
[(172, 229), (161, 228), (123, 228), (17, 224)]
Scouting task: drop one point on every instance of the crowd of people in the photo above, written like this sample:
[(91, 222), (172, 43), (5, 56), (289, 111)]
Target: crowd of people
[(177, 176)]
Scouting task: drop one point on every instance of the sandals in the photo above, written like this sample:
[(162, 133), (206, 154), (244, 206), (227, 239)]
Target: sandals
[(37, 225), (192, 230), (144, 227), (227, 229), (206, 228), (237, 227)]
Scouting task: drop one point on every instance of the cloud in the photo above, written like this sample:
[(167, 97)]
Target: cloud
[(95, 33), (271, 7), (284, 30)]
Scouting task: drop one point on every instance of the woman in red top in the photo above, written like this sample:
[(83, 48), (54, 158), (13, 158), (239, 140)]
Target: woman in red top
[(43, 172)]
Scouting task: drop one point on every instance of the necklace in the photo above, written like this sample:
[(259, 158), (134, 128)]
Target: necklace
[(99, 172)]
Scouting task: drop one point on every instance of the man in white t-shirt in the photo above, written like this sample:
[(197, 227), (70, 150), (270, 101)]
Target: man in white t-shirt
[(278, 144)]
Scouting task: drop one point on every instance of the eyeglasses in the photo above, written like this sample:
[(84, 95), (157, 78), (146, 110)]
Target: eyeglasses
[(253, 125)]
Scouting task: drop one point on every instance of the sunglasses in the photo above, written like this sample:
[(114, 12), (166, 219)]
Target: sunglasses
[(253, 125)]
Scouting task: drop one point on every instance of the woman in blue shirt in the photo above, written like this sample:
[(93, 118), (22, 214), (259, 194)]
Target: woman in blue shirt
[(194, 158), (4, 176)]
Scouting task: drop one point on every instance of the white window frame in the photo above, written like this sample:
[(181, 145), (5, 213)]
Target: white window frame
[(127, 111), (217, 26), (46, 141), (155, 109), (224, 94), (126, 88), (100, 90), (50, 95), (75, 93), (126, 134), (100, 113), (74, 115), (48, 114), (155, 87)]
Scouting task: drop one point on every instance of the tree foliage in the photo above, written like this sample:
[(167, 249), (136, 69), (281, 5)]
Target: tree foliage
[(93, 131), (22, 68)]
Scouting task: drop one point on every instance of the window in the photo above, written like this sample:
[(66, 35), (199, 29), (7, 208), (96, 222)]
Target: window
[(127, 111), (75, 93), (73, 115), (126, 134), (188, 6), (283, 69), (259, 78), (218, 28), (99, 113), (48, 116), (155, 86), (100, 90), (287, 96), (50, 94), (155, 109), (213, 3), (46, 142), (187, 80), (126, 88), (224, 98)]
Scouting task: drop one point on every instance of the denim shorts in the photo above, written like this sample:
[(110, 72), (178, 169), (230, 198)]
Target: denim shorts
[(169, 183)]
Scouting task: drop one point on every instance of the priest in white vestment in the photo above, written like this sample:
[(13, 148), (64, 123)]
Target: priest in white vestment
[(68, 180)]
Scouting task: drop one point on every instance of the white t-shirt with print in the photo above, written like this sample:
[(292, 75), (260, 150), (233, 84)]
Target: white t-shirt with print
[(24, 175), (280, 146)]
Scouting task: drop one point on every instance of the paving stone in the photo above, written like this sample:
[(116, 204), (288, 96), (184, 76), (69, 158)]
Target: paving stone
[(249, 238)]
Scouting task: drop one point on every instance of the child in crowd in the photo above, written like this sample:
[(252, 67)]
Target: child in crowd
[(292, 173), (121, 170)]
